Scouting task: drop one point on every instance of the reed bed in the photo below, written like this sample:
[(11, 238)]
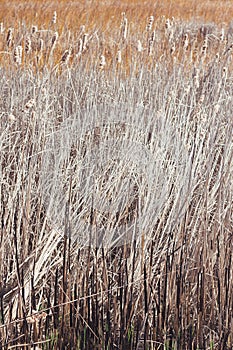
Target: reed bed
[(116, 163)]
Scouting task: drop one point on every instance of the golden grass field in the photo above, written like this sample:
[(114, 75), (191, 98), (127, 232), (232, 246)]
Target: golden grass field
[(100, 13), (104, 17)]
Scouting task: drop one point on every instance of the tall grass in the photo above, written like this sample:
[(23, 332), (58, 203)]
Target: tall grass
[(116, 184)]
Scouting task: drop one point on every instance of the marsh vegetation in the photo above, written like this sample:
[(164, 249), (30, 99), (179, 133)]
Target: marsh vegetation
[(116, 178)]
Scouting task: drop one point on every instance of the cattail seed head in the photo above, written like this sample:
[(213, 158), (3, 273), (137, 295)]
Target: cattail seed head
[(229, 49), (40, 45), (34, 29), (173, 49), (124, 26), (150, 23), (202, 99), (216, 108), (196, 82), (85, 40), (80, 47), (82, 29), (17, 55), (54, 39), (217, 57), (186, 41), (30, 104), (66, 56), (1, 28), (222, 35), (205, 44), (9, 38), (139, 46), (54, 18), (102, 62), (118, 56), (204, 47), (196, 78), (168, 24), (11, 118), (152, 38), (28, 45), (150, 48)]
